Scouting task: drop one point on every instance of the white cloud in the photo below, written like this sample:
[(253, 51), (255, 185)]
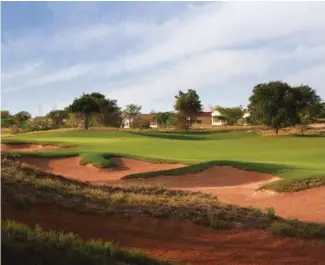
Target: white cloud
[(217, 44)]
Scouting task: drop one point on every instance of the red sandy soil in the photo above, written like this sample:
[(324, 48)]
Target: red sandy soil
[(177, 240), (230, 185), (25, 147), (71, 168), (235, 186)]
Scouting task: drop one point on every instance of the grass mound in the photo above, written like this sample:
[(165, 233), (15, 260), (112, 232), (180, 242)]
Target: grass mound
[(292, 185), (25, 187), (97, 160), (296, 228), (22, 245)]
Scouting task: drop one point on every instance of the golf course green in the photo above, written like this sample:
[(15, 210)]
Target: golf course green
[(289, 157)]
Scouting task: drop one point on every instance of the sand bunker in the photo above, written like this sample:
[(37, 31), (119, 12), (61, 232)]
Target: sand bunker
[(230, 185), (26, 147), (236, 186), (216, 176), (71, 168), (175, 240)]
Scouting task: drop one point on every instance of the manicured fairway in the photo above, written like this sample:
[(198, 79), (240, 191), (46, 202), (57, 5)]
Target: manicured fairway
[(285, 156)]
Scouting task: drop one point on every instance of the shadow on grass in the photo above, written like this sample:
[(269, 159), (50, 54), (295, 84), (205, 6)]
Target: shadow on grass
[(270, 168), (194, 136), (309, 135), (171, 136)]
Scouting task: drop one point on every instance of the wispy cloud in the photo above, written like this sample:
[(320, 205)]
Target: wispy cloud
[(217, 45)]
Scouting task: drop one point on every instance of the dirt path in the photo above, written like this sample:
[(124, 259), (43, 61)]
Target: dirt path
[(178, 240), (230, 185), (26, 147)]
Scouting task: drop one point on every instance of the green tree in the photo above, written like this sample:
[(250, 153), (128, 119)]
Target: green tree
[(131, 111), (5, 114), (318, 110), (306, 100), (57, 116), (6, 119), (163, 118), (86, 105), (273, 104), (278, 105), (230, 115), (188, 106), (21, 117), (110, 113)]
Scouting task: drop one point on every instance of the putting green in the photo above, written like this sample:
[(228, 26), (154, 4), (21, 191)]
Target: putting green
[(285, 156)]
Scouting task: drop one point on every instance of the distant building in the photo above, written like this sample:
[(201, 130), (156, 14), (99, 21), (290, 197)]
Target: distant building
[(216, 118), (213, 118)]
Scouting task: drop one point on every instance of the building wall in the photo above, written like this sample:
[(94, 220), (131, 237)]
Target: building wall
[(204, 119)]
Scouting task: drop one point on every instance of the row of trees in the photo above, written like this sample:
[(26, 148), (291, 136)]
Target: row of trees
[(19, 118), (275, 104)]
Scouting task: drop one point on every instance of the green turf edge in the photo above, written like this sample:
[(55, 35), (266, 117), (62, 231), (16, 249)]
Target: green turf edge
[(25, 245), (102, 160), (293, 185), (250, 166), (53, 143)]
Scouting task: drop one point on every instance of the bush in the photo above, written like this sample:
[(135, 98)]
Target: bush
[(296, 228)]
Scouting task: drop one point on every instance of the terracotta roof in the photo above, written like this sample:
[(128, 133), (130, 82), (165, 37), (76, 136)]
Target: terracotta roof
[(205, 113)]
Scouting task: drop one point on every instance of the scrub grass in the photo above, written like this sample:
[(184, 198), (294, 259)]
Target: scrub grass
[(23, 245), (25, 187)]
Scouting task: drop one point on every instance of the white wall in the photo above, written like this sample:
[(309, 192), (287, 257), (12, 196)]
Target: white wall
[(214, 118)]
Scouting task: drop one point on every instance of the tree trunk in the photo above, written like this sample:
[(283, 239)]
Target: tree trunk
[(86, 121), (302, 130), (277, 131)]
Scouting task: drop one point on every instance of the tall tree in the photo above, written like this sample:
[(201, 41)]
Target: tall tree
[(278, 105), (230, 115), (306, 99), (188, 106), (110, 113), (273, 104), (57, 116), (86, 104), (22, 117)]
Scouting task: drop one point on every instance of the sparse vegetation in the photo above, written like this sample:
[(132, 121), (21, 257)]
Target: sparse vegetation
[(22, 245), (291, 185), (25, 187), (296, 228)]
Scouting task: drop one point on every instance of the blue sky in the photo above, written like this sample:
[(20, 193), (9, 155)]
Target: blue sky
[(144, 52)]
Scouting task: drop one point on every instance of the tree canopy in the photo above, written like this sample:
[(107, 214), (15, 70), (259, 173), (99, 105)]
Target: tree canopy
[(164, 118), (110, 113), (230, 115), (187, 106), (6, 119), (57, 116), (91, 103), (132, 110), (21, 117), (278, 105), (318, 110)]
